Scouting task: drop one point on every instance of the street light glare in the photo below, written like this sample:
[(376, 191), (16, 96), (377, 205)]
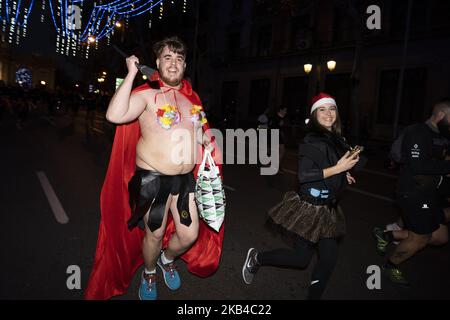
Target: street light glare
[(331, 65), (307, 67)]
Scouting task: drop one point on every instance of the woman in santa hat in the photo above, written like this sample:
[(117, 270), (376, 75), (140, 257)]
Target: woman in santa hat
[(312, 215)]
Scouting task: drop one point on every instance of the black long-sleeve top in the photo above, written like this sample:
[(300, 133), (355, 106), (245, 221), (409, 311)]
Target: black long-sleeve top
[(320, 151), (423, 155)]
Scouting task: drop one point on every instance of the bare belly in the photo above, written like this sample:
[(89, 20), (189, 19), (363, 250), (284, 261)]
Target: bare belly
[(162, 155)]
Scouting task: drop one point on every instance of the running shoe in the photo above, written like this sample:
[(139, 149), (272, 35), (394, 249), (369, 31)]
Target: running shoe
[(395, 276), (381, 239), (251, 266), (171, 276), (147, 290)]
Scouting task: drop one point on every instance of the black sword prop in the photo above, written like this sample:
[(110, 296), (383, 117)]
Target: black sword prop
[(145, 70)]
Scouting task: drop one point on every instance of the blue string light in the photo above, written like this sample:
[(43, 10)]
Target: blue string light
[(137, 9), (14, 19), (17, 11), (16, 16), (100, 23), (29, 11), (61, 10), (53, 15), (7, 11), (89, 23), (116, 9)]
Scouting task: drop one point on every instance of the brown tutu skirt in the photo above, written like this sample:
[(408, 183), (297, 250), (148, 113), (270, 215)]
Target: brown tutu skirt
[(309, 221)]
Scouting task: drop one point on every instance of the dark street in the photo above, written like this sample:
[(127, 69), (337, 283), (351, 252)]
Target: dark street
[(38, 250), (354, 96)]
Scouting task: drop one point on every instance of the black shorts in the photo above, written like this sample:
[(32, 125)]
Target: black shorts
[(149, 190), (421, 213)]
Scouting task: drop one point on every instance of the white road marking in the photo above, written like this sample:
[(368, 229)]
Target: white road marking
[(373, 195), (229, 188), (290, 171), (370, 194), (53, 200), (387, 175)]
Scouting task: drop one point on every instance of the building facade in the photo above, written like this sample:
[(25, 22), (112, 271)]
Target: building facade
[(252, 56), (41, 68)]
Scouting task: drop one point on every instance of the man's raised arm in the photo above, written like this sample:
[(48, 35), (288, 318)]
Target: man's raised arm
[(124, 106)]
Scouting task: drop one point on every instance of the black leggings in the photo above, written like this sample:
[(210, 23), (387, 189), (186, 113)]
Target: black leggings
[(301, 256)]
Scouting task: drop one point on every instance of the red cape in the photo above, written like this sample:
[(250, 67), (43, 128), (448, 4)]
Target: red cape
[(119, 251)]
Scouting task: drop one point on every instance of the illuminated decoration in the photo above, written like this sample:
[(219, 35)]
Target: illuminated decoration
[(43, 10), (151, 15), (104, 15), (14, 16), (79, 32), (80, 25), (24, 77)]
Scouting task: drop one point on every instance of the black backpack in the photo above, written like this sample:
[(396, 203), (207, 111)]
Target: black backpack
[(395, 153)]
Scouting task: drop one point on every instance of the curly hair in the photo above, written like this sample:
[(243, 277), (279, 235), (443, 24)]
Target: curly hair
[(174, 44)]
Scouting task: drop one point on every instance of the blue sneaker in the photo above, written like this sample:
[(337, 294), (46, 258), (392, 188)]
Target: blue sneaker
[(147, 290), (171, 276)]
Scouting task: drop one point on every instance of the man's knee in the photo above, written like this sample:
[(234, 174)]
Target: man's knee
[(154, 237), (419, 241), (439, 237), (188, 237)]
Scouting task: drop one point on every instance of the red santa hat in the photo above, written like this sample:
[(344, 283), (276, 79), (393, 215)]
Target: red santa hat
[(320, 100)]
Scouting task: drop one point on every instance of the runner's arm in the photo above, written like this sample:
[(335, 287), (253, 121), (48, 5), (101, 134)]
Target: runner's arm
[(125, 106)]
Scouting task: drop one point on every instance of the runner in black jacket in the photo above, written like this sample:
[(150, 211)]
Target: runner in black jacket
[(424, 150)]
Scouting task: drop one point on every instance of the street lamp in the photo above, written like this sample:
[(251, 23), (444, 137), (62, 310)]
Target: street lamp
[(307, 67), (331, 65), (43, 83), (318, 78)]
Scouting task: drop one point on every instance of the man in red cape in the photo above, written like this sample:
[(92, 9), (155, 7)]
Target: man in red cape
[(119, 250)]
